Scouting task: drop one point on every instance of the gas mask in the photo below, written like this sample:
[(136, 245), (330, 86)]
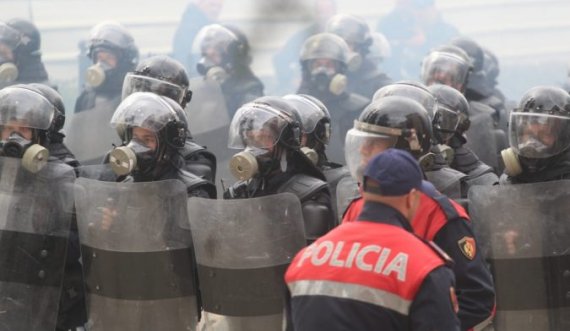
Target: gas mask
[(354, 62), (97, 73), (326, 79), (447, 152), (8, 71), (251, 162), (512, 164), (34, 157), (134, 156), (427, 161), (211, 71), (311, 154)]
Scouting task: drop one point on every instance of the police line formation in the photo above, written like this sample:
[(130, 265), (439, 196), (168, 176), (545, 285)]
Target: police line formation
[(353, 192)]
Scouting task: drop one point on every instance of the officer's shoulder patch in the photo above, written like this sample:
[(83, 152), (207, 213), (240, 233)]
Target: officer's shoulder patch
[(467, 247), (446, 258)]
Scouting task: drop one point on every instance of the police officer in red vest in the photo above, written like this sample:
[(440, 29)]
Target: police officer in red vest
[(375, 274), (439, 219)]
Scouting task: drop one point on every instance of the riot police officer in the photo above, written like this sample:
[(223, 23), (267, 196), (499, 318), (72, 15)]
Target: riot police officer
[(453, 106), (452, 67), (399, 122), (325, 59), (113, 53), (538, 132), (315, 136), (447, 180), (20, 55), (225, 59), (364, 78), (37, 201), (153, 133), (271, 162), (167, 77)]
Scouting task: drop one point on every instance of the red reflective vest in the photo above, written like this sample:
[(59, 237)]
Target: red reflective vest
[(376, 263)]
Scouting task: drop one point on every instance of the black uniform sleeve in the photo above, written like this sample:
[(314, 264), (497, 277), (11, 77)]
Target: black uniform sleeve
[(475, 289), (432, 308), (318, 216)]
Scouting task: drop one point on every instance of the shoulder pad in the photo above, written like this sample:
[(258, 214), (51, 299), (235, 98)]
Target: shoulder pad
[(190, 148), (334, 175), (303, 186), (192, 182)]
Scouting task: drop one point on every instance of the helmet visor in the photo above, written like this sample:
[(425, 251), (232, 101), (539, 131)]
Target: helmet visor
[(538, 136), (361, 146), (23, 107), (138, 83), (145, 110), (444, 68), (445, 119), (256, 125)]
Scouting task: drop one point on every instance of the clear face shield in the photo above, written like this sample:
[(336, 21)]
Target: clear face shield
[(138, 83), (445, 68), (361, 146), (256, 130), (22, 113), (538, 136), (445, 122)]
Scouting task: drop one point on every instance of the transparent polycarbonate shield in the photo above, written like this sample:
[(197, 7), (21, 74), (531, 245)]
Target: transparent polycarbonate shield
[(89, 133), (36, 212), (346, 191), (243, 248), (523, 232), (209, 123), (137, 255)]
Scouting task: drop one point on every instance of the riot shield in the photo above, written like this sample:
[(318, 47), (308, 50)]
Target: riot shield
[(481, 134), (209, 123), (243, 248), (334, 176), (346, 191), (89, 133), (34, 228), (524, 233), (137, 258)]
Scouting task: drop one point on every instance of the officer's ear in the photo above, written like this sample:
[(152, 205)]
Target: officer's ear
[(412, 203)]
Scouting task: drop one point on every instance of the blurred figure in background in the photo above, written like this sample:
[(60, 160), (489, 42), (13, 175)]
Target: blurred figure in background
[(325, 59), (20, 55), (285, 61), (197, 15), (364, 78), (225, 60), (413, 27)]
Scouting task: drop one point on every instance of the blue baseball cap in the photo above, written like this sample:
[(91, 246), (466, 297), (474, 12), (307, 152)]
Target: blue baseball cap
[(393, 172)]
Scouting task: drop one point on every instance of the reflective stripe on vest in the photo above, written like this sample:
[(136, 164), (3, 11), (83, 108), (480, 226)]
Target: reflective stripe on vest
[(352, 292)]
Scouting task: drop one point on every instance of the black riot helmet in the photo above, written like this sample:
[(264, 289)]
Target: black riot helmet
[(411, 123), (115, 38), (24, 106), (444, 67), (409, 89), (30, 40), (274, 115), (391, 121), (55, 98), (315, 119), (539, 128), (473, 50), (222, 50), (491, 67), (354, 30), (162, 75), (452, 114), (325, 59)]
